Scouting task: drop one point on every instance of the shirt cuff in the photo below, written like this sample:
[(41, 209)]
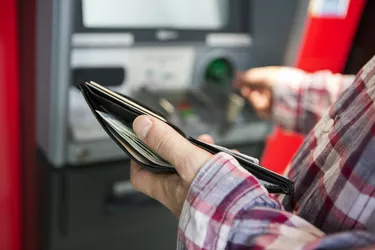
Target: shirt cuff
[(219, 191), (301, 98)]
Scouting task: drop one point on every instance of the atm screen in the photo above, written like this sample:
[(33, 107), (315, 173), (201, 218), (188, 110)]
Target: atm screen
[(192, 19), (144, 14)]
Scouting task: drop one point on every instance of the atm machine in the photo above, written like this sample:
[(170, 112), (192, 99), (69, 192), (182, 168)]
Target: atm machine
[(178, 56)]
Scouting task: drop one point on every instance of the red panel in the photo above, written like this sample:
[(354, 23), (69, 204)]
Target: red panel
[(327, 41), (280, 148), (10, 229), (325, 45)]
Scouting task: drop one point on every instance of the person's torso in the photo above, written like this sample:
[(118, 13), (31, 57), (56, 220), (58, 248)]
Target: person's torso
[(334, 170)]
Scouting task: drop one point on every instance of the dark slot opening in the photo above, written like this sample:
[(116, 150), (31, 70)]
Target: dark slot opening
[(109, 77), (121, 196)]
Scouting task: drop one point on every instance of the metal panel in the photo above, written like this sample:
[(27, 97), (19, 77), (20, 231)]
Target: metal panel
[(296, 34), (54, 37), (272, 23), (81, 216)]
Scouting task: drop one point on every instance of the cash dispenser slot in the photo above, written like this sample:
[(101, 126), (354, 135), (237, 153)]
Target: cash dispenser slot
[(121, 195), (107, 76)]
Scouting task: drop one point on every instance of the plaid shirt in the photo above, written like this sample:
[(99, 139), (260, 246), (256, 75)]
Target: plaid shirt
[(333, 206)]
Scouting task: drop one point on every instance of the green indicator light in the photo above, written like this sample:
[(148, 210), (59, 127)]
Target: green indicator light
[(187, 113), (219, 71)]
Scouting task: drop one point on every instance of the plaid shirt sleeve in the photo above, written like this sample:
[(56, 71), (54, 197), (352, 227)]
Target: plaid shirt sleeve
[(227, 208), (301, 98)]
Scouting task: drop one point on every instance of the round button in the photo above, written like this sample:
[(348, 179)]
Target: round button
[(328, 126)]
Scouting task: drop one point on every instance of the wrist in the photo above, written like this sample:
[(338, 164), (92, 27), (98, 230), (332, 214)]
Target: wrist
[(219, 192), (220, 178)]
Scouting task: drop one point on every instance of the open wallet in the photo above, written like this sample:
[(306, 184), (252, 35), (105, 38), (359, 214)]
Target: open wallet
[(116, 113)]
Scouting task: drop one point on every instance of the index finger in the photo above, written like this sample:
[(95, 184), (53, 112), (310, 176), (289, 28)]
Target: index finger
[(256, 78)]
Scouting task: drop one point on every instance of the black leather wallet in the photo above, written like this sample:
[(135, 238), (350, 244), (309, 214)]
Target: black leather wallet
[(126, 109)]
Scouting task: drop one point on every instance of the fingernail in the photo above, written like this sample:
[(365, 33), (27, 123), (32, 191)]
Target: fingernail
[(142, 126)]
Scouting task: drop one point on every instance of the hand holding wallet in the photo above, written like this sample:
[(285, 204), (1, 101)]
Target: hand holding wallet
[(116, 113)]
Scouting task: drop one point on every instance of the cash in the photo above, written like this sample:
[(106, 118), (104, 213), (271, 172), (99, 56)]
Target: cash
[(126, 132)]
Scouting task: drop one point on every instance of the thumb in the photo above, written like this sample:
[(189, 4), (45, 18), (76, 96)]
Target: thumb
[(261, 104), (258, 100), (171, 146)]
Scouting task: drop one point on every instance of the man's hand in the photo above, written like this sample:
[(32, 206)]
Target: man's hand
[(257, 86), (168, 189)]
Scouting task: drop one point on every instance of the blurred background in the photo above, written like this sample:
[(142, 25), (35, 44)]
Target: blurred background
[(63, 183)]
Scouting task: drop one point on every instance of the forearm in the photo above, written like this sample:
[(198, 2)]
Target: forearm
[(301, 98), (227, 208)]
